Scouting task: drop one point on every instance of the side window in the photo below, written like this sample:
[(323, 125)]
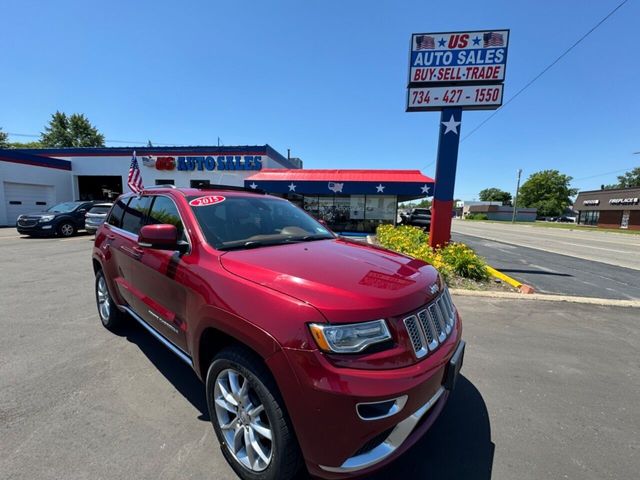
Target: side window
[(115, 217), (165, 211), (134, 214)]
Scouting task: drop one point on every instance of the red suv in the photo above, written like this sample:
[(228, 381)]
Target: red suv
[(314, 349)]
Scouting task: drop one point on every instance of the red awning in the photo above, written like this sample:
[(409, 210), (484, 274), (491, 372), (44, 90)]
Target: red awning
[(301, 175)]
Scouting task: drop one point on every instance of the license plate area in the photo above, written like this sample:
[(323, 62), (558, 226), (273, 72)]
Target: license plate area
[(454, 366)]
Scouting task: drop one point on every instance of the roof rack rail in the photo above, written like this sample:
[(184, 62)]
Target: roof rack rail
[(236, 188), (164, 185)]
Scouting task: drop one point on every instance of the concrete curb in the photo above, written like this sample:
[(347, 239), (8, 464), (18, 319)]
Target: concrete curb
[(546, 298)]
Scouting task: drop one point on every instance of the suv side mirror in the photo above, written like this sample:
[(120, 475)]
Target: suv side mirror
[(161, 236), (82, 210)]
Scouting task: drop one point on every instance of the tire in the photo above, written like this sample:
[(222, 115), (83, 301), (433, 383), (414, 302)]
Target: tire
[(245, 408), (110, 316), (66, 229)]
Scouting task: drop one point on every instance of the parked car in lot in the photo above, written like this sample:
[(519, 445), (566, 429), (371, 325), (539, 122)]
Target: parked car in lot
[(96, 216), (314, 349), (63, 219), (418, 217), (566, 219)]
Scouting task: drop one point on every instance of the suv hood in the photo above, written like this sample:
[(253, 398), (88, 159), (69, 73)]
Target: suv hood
[(346, 281)]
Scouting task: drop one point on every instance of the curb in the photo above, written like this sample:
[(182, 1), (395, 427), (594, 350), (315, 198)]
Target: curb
[(528, 289), (546, 298)]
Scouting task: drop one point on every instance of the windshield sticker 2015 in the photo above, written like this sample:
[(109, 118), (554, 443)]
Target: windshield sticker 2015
[(207, 200)]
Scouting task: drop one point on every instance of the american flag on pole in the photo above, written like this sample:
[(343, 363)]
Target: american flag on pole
[(135, 179), (492, 39), (425, 42)]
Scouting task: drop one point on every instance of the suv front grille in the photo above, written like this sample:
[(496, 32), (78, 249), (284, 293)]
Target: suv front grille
[(27, 222), (432, 325)]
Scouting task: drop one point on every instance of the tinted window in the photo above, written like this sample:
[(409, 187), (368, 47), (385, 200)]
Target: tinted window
[(165, 211), (115, 218), (247, 222), (134, 214)]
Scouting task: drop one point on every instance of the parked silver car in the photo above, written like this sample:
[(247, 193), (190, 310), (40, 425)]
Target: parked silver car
[(96, 216)]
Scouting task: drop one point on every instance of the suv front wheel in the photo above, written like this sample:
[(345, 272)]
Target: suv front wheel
[(249, 417)]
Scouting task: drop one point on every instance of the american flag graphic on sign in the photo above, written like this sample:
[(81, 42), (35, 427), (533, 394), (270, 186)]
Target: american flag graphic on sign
[(425, 42), (135, 179), (492, 39)]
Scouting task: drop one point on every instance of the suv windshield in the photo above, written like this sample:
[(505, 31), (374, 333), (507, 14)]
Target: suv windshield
[(65, 207), (249, 222)]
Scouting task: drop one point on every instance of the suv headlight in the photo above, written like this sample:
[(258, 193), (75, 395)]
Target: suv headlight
[(349, 338), (46, 218)]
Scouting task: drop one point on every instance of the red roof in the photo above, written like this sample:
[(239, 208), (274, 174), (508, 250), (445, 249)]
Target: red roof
[(277, 174)]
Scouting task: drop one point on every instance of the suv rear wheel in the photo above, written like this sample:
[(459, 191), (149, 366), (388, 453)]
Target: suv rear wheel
[(110, 316), (249, 417)]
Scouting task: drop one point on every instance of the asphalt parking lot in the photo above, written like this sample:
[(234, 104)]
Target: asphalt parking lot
[(549, 390)]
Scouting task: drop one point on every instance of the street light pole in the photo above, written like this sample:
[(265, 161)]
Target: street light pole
[(515, 202)]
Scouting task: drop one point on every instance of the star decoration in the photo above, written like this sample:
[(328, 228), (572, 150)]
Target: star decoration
[(425, 189), (253, 185), (476, 41), (292, 187), (380, 188), (451, 125), (441, 42)]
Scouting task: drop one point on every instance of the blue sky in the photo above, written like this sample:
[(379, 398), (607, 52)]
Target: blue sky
[(327, 79)]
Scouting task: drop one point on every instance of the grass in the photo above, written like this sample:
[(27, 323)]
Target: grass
[(565, 226)]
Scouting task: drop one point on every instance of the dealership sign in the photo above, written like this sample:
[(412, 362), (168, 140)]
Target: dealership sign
[(475, 62), (202, 163)]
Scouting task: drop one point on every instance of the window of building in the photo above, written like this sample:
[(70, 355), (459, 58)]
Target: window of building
[(115, 218), (134, 214), (165, 211), (165, 181), (312, 205), (590, 217), (379, 209)]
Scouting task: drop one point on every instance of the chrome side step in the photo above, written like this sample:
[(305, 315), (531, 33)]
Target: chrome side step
[(179, 352)]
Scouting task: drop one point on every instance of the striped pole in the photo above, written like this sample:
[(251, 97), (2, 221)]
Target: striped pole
[(446, 162)]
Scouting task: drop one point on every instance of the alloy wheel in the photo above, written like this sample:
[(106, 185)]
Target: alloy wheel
[(104, 302), (243, 421), (66, 230)]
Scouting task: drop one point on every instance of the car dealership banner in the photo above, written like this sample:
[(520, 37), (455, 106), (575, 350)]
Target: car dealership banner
[(461, 59)]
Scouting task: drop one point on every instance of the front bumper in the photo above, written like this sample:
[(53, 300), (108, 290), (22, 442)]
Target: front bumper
[(37, 229), (336, 442)]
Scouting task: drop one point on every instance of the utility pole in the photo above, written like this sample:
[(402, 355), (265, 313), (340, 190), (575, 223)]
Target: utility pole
[(515, 202)]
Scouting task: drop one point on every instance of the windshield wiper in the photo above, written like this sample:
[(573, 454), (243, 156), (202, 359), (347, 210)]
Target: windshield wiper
[(316, 236)]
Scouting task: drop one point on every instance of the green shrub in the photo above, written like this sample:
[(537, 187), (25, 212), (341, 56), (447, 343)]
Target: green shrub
[(454, 259), (477, 216)]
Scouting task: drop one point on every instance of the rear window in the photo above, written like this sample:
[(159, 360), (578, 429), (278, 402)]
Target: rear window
[(100, 210), (115, 218), (134, 214)]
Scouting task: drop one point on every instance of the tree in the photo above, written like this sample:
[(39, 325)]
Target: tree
[(71, 131), (18, 145), (4, 139), (548, 191), (494, 194), (629, 179)]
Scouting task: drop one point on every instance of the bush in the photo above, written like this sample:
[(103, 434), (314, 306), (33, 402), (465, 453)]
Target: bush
[(477, 216), (454, 259)]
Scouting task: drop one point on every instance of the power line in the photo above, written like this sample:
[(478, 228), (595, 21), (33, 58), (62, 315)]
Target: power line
[(545, 70), (128, 142)]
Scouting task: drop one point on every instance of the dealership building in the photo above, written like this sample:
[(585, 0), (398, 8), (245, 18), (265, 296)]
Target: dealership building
[(348, 200), (616, 208)]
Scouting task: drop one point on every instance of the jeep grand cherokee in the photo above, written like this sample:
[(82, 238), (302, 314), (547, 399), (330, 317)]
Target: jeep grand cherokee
[(314, 349)]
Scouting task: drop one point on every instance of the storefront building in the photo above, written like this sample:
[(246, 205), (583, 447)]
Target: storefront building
[(346, 200), (619, 208), (33, 180)]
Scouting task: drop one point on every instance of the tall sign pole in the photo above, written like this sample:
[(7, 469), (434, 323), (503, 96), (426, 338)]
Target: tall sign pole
[(515, 200), (451, 72)]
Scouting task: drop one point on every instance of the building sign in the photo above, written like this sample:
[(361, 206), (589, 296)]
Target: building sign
[(474, 62), (202, 163), (471, 97), (591, 202), (624, 201)]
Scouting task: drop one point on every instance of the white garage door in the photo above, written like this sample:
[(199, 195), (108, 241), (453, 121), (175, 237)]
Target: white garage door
[(26, 198)]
